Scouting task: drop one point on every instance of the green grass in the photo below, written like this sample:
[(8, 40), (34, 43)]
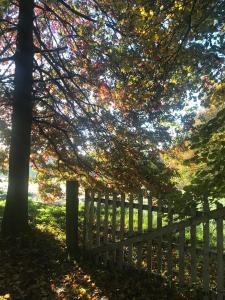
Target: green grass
[(2, 205), (54, 215), (41, 213), (199, 228)]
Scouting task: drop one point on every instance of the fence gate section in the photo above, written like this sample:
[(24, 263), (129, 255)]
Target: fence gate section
[(144, 232)]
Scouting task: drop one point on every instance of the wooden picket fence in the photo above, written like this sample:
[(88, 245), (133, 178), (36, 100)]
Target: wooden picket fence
[(144, 232)]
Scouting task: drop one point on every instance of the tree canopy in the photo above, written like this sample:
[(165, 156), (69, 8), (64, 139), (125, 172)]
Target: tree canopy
[(111, 80), (207, 143)]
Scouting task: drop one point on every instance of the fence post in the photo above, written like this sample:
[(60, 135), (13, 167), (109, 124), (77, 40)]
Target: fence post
[(72, 204)]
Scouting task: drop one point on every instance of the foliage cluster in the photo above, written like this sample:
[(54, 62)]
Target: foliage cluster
[(110, 80)]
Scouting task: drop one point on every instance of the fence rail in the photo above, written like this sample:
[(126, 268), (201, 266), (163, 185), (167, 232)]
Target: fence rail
[(142, 232)]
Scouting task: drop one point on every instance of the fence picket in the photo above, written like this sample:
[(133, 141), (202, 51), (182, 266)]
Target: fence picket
[(86, 219), (140, 222), (114, 226), (159, 246), (149, 242), (131, 228), (169, 250), (220, 263), (149, 211), (122, 227), (98, 219), (91, 217), (106, 224), (193, 249), (122, 244), (106, 218), (122, 216), (206, 249), (114, 217), (181, 254), (131, 214), (140, 212)]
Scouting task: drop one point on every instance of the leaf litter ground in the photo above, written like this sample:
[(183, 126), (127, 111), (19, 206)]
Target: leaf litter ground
[(36, 266)]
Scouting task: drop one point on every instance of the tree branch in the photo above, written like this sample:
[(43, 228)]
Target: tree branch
[(5, 59), (38, 50)]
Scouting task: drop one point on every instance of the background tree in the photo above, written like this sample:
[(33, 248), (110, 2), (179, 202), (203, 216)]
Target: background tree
[(207, 143)]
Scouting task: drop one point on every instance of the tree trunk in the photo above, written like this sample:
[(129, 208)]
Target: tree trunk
[(15, 219)]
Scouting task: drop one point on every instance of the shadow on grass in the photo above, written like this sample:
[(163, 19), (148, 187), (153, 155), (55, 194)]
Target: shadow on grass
[(28, 265), (131, 284), (36, 266)]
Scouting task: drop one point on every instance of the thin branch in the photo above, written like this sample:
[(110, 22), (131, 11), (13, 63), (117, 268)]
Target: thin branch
[(76, 12), (6, 59), (38, 50)]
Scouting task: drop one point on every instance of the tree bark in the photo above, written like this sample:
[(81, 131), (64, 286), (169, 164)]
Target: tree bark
[(72, 207), (15, 219)]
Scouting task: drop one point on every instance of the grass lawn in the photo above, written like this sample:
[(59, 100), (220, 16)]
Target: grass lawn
[(36, 266)]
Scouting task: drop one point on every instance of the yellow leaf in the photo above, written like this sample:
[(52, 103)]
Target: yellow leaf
[(75, 288), (178, 5), (151, 13), (173, 80), (143, 11), (82, 291), (6, 296), (156, 37)]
